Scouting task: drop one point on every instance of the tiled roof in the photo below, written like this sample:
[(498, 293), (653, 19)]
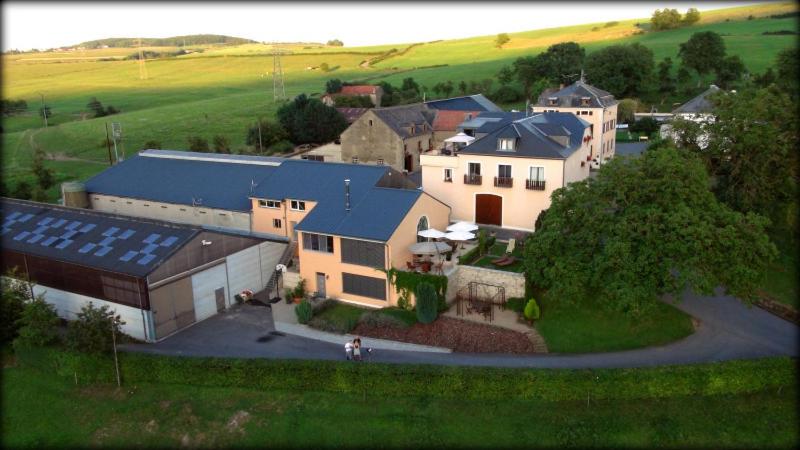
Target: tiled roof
[(400, 118), (699, 104), (571, 96), (352, 114), (363, 89), (486, 122), (121, 244), (537, 136), (449, 120), (477, 102)]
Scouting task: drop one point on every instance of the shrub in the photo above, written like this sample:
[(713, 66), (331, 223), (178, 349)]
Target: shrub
[(15, 293), (532, 310), (506, 94), (336, 317), (198, 144), (221, 144), (646, 125), (300, 288), (427, 302), (38, 324), (304, 312), (516, 304), (280, 147), (379, 320), (151, 144), (91, 332), (467, 258)]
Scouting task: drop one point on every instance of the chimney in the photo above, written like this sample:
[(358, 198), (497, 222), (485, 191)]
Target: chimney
[(561, 86), (347, 195)]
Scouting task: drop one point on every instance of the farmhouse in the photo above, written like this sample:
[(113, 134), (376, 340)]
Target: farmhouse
[(506, 177), (699, 110), (595, 106), (160, 277), (375, 93)]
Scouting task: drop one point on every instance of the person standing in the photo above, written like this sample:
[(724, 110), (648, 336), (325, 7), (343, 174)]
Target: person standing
[(357, 349), (348, 350)]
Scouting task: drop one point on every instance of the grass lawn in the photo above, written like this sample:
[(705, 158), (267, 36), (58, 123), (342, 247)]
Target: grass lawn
[(43, 410), (781, 280), (496, 251), (579, 328), (336, 317)]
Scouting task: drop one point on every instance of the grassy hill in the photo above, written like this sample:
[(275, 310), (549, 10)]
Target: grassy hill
[(224, 88), (175, 41)]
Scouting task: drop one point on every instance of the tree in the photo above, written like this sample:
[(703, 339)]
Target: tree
[(462, 87), (501, 40), (271, 133), (38, 324), (666, 83), (324, 67), (95, 106), (335, 43), (506, 94), (691, 17), (14, 293), (91, 332), (355, 101), (505, 75), (765, 79), (729, 71), (786, 65), (198, 144), (151, 144), (45, 177), (448, 88), (626, 110), (333, 86), (562, 60), (531, 311), (623, 70), (409, 85), (308, 120), (221, 144), (642, 228), (646, 125), (751, 152), (703, 52), (665, 19), (426, 302), (22, 191)]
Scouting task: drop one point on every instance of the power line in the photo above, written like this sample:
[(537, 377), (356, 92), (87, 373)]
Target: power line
[(278, 90)]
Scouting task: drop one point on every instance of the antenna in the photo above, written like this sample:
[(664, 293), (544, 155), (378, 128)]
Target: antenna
[(278, 91), (142, 68)]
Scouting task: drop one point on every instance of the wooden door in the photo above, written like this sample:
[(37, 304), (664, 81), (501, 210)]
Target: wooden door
[(489, 209), (321, 284)]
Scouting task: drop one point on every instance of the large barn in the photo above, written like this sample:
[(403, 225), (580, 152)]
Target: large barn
[(159, 276)]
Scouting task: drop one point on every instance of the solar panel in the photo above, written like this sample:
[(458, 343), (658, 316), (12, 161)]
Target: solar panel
[(14, 215), (108, 240), (49, 241), (88, 227), (41, 229), (103, 251), (146, 259), (169, 241), (128, 256), (69, 234), (126, 234), (64, 244), (45, 221), (26, 217), (36, 238), (87, 248), (149, 248), (74, 224), (59, 223), (21, 236), (110, 231), (152, 238)]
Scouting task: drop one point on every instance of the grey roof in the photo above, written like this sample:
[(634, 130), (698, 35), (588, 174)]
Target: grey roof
[(539, 136), (571, 96), (400, 118), (185, 178), (120, 244), (477, 102), (486, 122), (699, 104)]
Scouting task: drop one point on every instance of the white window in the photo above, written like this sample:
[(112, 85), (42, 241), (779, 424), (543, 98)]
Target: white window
[(448, 175), (380, 161), (276, 223), (537, 173), (506, 144), (355, 159), (298, 205), (552, 101), (269, 203)]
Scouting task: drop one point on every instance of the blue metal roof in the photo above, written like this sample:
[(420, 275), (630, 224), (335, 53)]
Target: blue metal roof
[(477, 102), (184, 178), (89, 238)]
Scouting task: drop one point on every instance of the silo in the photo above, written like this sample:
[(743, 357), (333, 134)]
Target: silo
[(74, 194)]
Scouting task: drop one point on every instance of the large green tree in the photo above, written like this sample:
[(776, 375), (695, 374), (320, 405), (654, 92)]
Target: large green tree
[(308, 120), (786, 65), (641, 228), (623, 70), (703, 52)]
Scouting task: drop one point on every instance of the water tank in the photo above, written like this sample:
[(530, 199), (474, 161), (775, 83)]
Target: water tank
[(74, 194)]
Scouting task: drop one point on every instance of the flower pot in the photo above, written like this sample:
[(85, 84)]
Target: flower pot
[(298, 299)]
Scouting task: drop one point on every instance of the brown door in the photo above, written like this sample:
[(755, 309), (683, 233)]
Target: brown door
[(172, 306), (489, 209), (409, 163)]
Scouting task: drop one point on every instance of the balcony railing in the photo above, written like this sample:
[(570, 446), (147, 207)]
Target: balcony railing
[(505, 182), (534, 185), (472, 179)]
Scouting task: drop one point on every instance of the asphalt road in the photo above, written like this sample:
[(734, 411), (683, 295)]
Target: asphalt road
[(728, 330)]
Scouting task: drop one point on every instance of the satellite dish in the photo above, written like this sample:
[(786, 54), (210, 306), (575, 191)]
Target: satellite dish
[(280, 268)]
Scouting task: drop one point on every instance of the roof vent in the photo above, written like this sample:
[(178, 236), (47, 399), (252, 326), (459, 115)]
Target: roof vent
[(347, 195)]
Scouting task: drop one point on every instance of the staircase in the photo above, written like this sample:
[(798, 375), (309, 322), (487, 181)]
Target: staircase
[(285, 258)]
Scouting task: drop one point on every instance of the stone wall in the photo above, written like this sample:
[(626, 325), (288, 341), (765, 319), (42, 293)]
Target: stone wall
[(514, 283)]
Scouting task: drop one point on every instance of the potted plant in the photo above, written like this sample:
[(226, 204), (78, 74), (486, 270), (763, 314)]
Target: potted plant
[(299, 291), (288, 295)]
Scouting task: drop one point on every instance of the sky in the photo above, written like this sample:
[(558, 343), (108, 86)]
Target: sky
[(42, 25)]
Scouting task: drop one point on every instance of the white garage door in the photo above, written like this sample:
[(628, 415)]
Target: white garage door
[(204, 285)]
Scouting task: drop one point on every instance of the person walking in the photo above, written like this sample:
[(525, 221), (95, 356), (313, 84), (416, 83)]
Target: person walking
[(357, 349), (348, 350)]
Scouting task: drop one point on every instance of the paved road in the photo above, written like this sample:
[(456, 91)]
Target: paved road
[(728, 330)]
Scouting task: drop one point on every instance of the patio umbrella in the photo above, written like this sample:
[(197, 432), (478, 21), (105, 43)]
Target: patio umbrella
[(431, 233), (462, 226), (429, 248), (460, 138), (459, 236)]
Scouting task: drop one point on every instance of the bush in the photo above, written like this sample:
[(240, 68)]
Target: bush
[(506, 94), (532, 310), (221, 144), (91, 332), (516, 304), (304, 312), (271, 134), (646, 125), (38, 324), (280, 147), (198, 144), (379, 320), (15, 293), (467, 258), (427, 303), (149, 145)]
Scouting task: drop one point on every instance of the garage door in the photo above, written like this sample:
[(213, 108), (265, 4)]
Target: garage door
[(489, 209), (172, 306), (204, 288)]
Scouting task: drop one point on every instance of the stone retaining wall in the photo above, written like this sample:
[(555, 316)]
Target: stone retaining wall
[(514, 283)]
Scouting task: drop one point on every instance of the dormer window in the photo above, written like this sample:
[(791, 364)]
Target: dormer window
[(505, 144), (413, 129), (552, 101), (585, 101)]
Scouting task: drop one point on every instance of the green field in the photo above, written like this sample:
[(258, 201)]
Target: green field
[(225, 88), (745, 404)]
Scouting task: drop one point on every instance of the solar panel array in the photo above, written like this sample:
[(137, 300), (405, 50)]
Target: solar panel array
[(90, 238)]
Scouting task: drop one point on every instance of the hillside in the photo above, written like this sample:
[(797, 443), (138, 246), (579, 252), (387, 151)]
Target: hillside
[(225, 88), (175, 41)]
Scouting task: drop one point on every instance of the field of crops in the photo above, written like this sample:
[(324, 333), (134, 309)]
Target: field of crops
[(224, 89)]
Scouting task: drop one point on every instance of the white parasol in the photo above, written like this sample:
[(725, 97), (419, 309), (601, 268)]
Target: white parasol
[(460, 138), (462, 226), (459, 236), (431, 233)]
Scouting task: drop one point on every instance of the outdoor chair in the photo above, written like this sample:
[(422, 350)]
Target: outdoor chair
[(500, 261), (508, 261), (511, 245)]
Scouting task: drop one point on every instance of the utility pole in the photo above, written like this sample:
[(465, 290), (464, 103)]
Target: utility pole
[(278, 91), (260, 148), (44, 110), (114, 322), (108, 145), (142, 68)]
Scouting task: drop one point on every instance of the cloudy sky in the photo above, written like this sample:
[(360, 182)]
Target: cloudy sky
[(44, 25)]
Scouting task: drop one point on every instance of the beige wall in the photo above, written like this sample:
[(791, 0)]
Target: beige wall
[(332, 152), (379, 141), (263, 217), (598, 117), (521, 206), (405, 235), (194, 215)]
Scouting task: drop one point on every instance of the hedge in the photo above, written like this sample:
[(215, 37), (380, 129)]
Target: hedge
[(731, 377)]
